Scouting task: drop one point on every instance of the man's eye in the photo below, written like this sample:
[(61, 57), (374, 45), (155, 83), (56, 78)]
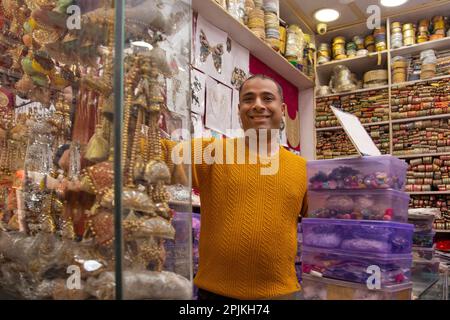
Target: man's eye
[(268, 98)]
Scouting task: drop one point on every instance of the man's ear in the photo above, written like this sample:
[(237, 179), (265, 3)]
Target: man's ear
[(284, 108)]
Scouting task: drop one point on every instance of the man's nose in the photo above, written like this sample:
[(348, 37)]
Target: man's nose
[(259, 105)]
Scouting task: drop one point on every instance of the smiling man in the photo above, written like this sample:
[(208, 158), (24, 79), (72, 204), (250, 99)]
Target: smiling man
[(248, 236)]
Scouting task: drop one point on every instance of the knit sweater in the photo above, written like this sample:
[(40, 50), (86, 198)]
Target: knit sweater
[(248, 236)]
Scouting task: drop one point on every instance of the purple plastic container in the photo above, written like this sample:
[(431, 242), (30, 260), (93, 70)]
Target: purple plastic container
[(346, 266), (380, 172), (376, 237), (384, 205)]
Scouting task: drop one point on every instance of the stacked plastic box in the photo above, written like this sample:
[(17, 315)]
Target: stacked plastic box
[(356, 232), (425, 268)]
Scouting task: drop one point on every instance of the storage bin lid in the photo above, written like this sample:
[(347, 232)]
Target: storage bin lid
[(374, 223)]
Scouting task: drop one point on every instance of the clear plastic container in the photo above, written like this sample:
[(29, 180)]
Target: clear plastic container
[(359, 205), (424, 272), (347, 266), (380, 172), (423, 253), (358, 236), (423, 239), (318, 288), (421, 222)]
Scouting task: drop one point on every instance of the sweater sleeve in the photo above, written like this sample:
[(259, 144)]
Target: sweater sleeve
[(173, 153)]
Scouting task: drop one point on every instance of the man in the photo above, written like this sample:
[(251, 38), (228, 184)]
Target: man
[(248, 239)]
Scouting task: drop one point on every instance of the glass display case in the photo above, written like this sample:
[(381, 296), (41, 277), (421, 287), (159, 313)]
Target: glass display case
[(94, 95)]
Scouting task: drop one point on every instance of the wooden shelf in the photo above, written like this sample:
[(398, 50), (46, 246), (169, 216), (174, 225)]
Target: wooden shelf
[(438, 116), (419, 155), (437, 45), (442, 231), (416, 193), (408, 83), (353, 92), (364, 125), (357, 65), (220, 18)]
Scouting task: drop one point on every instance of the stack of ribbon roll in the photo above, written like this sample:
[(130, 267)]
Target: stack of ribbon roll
[(438, 28), (428, 136), (369, 43), (339, 48), (256, 23), (237, 9), (380, 38), (375, 78), (409, 34), (428, 64), (369, 106), (335, 143), (342, 79), (309, 56), (283, 37), (323, 53), (258, 3), (421, 99), (396, 35), (249, 5), (272, 6), (399, 67), (423, 31), (443, 64), (429, 174), (359, 41), (294, 44), (351, 49), (272, 29)]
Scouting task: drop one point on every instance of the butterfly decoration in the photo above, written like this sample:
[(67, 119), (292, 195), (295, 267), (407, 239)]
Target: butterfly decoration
[(206, 49), (196, 88), (238, 77)]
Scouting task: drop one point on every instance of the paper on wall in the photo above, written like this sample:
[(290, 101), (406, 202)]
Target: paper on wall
[(218, 106)]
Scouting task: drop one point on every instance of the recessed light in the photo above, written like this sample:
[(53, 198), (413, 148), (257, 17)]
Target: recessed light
[(326, 15), (393, 3)]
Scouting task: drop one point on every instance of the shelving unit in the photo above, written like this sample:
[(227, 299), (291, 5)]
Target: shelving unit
[(438, 116), (364, 125), (360, 65), (338, 94), (419, 155), (240, 33)]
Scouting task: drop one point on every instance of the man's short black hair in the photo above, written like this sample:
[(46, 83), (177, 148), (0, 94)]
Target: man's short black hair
[(263, 77)]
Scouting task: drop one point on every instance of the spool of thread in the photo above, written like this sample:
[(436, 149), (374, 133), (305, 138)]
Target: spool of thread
[(350, 48), (369, 43), (236, 8), (272, 6), (294, 43), (323, 54), (272, 27), (380, 38), (359, 41), (256, 23), (283, 35)]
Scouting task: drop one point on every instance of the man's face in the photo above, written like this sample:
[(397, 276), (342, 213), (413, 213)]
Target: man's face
[(260, 105)]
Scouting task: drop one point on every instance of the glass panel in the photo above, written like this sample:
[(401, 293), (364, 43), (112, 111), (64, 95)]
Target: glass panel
[(56, 139), (157, 239)]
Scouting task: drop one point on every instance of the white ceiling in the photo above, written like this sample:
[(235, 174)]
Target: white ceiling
[(351, 11)]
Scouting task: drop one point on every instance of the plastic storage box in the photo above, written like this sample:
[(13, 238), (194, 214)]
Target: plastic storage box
[(423, 239), (421, 222), (317, 288), (394, 268), (359, 204), (358, 236), (380, 172), (423, 253)]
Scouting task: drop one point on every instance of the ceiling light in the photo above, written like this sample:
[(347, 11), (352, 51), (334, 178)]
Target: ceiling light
[(326, 15), (392, 3)]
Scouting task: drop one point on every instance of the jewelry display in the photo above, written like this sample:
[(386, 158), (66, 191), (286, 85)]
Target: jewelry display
[(57, 148)]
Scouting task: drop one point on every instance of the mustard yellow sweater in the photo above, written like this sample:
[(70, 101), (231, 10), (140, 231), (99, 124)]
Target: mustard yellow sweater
[(248, 235)]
